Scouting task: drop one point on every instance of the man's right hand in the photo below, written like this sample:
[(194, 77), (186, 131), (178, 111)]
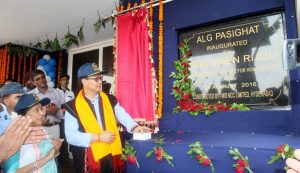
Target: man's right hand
[(107, 137)]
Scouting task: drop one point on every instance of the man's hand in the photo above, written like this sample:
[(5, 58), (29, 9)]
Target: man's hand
[(52, 109), (14, 137), (140, 129), (107, 137), (37, 134), (294, 164)]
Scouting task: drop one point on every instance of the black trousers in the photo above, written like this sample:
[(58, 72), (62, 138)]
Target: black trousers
[(64, 154), (78, 158)]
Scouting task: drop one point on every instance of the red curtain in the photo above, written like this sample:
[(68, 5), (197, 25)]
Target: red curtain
[(133, 66)]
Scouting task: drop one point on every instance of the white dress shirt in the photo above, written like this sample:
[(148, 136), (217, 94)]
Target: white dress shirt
[(77, 138), (56, 98)]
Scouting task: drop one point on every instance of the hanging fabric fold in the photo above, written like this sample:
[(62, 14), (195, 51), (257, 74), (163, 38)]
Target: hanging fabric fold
[(134, 77)]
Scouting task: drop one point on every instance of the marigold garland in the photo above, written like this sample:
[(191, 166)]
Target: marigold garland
[(30, 63), (197, 151), (128, 5), (1, 63), (36, 60), (154, 79), (7, 67), (283, 152), (184, 91), (242, 162), (160, 153), (24, 66), (6, 56), (160, 60), (59, 65), (19, 68), (13, 68)]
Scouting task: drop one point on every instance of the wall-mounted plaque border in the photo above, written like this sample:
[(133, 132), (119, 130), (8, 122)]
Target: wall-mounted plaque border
[(240, 61)]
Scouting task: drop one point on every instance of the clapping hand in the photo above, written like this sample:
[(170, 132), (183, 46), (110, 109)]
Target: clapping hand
[(14, 137), (36, 135)]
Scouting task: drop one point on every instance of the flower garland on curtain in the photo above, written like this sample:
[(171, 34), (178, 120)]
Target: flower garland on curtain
[(184, 91), (160, 59), (154, 80), (128, 5)]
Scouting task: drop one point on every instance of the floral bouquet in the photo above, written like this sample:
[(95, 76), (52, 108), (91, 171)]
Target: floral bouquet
[(284, 151), (160, 153), (129, 154), (242, 162), (197, 151)]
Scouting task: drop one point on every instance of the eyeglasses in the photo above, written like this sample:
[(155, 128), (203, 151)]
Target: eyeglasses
[(96, 79), (39, 78)]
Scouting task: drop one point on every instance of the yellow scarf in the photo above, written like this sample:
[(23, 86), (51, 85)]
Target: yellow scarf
[(91, 125)]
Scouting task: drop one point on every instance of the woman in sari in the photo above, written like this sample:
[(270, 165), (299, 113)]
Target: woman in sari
[(39, 157)]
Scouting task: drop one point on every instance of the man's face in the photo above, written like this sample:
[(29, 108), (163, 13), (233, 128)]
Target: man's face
[(64, 82), (40, 81), (29, 84), (92, 83)]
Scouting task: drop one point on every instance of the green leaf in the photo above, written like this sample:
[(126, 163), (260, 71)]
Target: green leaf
[(70, 39), (149, 153), (98, 24), (47, 43), (80, 33), (55, 44), (286, 148), (235, 158)]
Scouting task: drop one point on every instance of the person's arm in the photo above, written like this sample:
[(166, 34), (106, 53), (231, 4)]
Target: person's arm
[(14, 137), (74, 136), (39, 163), (124, 118)]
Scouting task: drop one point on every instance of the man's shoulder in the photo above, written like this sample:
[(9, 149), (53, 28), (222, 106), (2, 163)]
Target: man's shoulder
[(3, 113), (70, 107)]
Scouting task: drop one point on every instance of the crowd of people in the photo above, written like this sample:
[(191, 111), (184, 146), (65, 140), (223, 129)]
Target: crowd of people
[(40, 124)]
